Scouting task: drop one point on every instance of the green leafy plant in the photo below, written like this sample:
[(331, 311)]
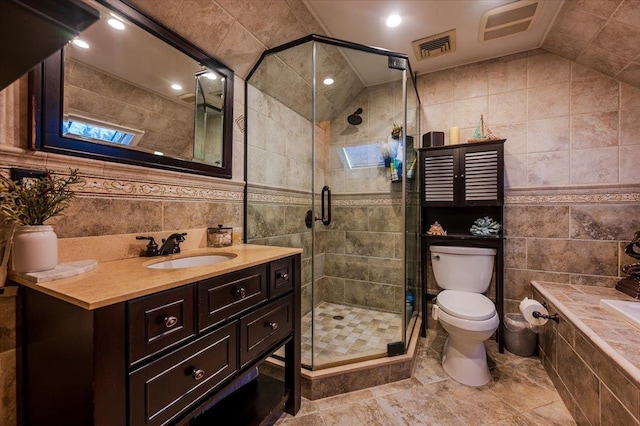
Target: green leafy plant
[(32, 202)]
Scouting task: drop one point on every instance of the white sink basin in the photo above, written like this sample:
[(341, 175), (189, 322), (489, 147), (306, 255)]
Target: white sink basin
[(192, 261), (627, 310)]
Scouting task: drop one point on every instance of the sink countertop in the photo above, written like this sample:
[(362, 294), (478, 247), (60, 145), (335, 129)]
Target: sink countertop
[(121, 280)]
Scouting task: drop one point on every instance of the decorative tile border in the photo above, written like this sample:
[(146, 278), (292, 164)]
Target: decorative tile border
[(573, 198), (278, 197), (129, 188), (121, 180)]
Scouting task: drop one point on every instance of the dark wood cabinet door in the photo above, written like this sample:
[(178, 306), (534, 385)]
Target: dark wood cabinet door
[(222, 297), (264, 327), (161, 390), (281, 277), (462, 175), (160, 321)]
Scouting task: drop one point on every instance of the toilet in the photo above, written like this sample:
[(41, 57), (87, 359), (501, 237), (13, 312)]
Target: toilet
[(470, 318)]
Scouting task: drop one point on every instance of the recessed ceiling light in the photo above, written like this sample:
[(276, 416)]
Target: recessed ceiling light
[(393, 21), (81, 43), (176, 87), (328, 81), (210, 76), (118, 25)]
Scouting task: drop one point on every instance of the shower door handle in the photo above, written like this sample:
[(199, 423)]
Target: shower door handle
[(326, 209)]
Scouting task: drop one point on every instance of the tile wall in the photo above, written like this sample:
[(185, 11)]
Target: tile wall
[(167, 124), (119, 201), (571, 181)]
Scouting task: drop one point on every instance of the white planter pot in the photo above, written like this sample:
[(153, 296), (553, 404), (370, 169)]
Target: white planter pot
[(35, 249)]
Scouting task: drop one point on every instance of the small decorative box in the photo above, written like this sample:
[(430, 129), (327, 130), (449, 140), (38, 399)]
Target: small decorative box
[(219, 237)]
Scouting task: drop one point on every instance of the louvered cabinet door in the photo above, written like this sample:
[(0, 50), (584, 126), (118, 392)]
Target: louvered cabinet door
[(462, 175), (439, 183), (481, 173)]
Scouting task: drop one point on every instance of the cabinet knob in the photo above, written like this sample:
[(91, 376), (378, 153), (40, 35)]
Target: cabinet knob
[(282, 276), (170, 321), (272, 325), (242, 292), (455, 176), (197, 374), (462, 175)]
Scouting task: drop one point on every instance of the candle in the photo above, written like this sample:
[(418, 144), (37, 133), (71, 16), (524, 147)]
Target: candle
[(454, 135)]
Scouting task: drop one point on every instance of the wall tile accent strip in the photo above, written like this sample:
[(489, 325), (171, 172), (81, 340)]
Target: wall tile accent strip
[(112, 187), (573, 198)]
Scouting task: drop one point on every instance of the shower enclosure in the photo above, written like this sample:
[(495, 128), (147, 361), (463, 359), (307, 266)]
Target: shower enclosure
[(330, 168)]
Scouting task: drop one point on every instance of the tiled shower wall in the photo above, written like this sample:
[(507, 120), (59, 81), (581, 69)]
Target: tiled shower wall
[(358, 257), (571, 155)]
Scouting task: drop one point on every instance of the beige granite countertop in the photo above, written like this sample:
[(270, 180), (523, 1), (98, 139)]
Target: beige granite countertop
[(613, 335), (120, 280)]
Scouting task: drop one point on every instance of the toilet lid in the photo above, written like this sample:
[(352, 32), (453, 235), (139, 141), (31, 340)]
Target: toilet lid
[(471, 306)]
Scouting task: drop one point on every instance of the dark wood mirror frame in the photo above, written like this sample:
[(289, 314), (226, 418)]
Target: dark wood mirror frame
[(46, 98)]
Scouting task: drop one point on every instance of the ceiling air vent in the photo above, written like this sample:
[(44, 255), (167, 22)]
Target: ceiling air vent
[(509, 19), (435, 45)]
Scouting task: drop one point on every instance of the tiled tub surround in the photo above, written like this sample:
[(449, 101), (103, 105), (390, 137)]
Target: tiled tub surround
[(591, 355)]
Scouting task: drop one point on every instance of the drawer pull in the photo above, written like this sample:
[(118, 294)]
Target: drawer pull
[(272, 325), (282, 276), (242, 292), (197, 374), (170, 321)]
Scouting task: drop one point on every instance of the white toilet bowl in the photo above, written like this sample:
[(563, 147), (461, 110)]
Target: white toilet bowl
[(465, 313), (464, 355)]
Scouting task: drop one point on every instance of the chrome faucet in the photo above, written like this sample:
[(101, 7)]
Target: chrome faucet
[(171, 245)]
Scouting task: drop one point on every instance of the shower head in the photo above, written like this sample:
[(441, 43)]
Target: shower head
[(355, 118)]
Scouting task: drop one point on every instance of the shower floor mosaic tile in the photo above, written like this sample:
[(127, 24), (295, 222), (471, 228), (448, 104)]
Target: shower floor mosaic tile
[(346, 331), (520, 394)]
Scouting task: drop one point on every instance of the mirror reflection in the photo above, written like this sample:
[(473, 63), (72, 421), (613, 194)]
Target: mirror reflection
[(125, 87)]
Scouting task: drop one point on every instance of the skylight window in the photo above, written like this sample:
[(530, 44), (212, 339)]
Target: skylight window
[(100, 131), (361, 156)]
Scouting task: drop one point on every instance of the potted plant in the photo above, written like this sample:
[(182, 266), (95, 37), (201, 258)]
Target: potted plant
[(28, 204)]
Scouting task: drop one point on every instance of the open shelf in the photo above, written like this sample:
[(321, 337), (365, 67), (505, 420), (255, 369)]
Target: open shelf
[(259, 402)]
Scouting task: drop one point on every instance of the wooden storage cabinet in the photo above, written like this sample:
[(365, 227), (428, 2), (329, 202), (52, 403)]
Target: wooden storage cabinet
[(462, 175), (160, 359), (459, 184)]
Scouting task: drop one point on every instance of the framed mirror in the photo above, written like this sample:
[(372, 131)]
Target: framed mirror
[(129, 90)]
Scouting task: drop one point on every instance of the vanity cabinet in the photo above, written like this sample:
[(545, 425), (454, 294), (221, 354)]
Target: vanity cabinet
[(459, 184), (165, 357)]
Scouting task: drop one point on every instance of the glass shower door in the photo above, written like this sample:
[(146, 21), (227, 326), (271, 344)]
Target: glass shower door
[(358, 284)]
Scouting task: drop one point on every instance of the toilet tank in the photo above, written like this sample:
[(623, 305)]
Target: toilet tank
[(463, 268)]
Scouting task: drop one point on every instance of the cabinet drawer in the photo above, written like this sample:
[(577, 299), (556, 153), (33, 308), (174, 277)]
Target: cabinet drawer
[(222, 297), (159, 321), (164, 388), (263, 328), (280, 277)]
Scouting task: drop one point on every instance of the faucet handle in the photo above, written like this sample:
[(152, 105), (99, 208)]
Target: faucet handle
[(152, 247)]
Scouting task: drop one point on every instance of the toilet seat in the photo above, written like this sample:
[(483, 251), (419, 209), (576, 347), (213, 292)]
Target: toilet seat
[(465, 305), (490, 324)]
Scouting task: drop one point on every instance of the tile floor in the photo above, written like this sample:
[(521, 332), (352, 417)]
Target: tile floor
[(360, 331), (520, 393)]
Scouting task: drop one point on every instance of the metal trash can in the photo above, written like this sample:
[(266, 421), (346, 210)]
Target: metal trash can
[(520, 337)]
